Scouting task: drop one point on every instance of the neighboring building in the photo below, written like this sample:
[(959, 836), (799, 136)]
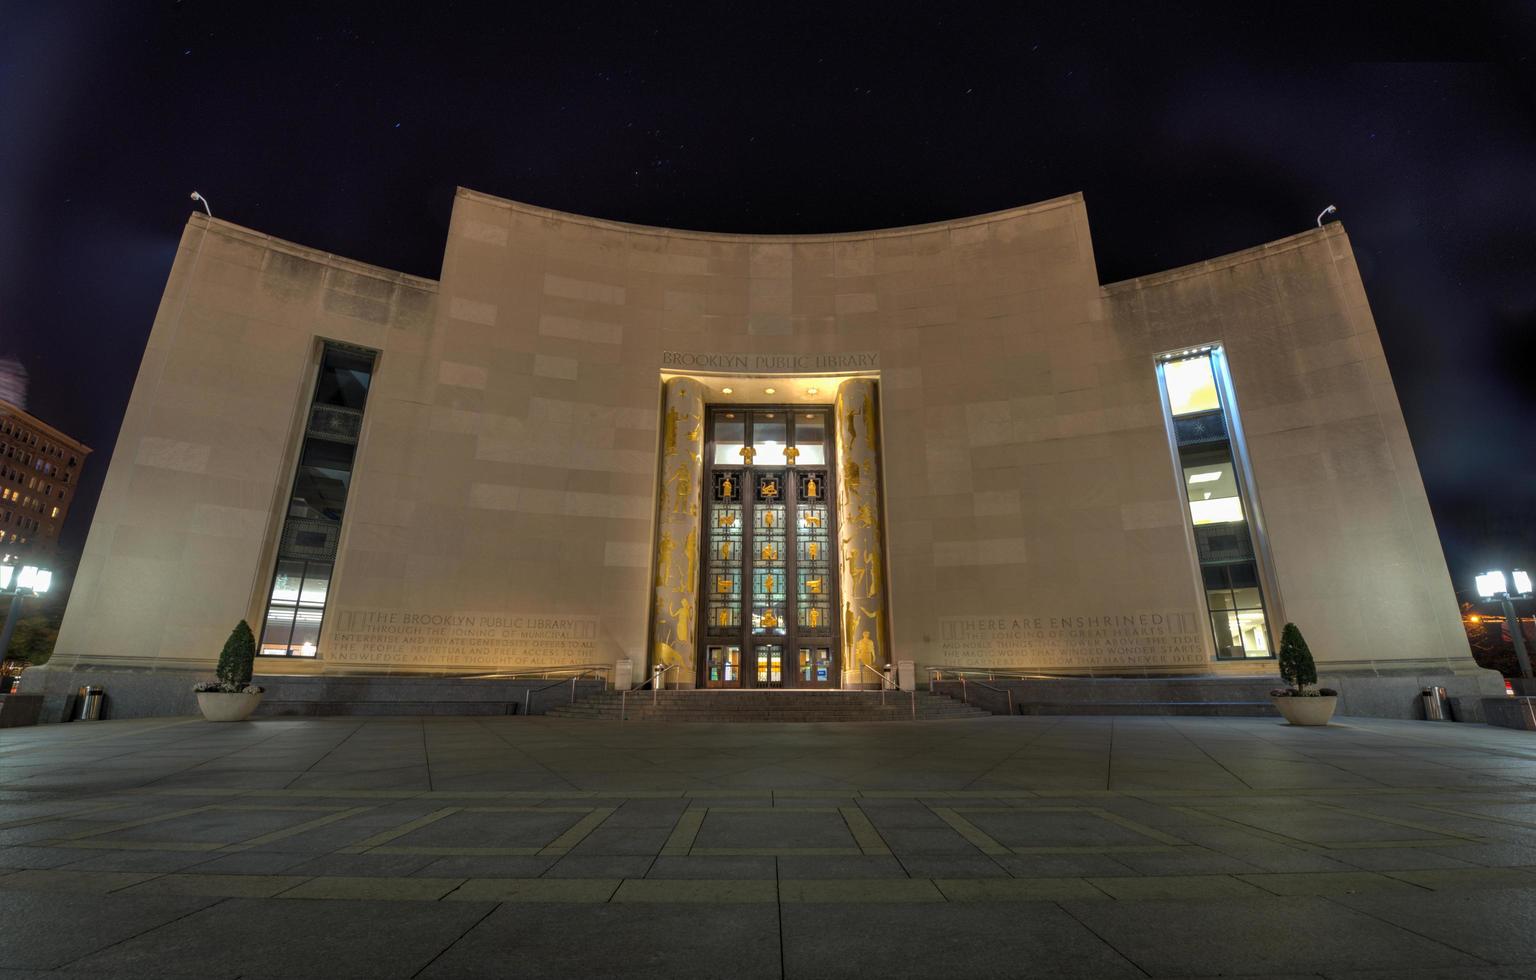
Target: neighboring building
[(39, 473), (13, 382), (763, 461)]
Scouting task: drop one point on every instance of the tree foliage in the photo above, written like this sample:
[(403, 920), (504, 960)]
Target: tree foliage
[(1296, 665), (238, 656), (33, 640)]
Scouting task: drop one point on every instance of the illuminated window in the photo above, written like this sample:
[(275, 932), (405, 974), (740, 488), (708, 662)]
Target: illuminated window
[(1192, 386), (306, 548)]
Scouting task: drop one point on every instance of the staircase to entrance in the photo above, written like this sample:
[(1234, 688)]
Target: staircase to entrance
[(768, 705)]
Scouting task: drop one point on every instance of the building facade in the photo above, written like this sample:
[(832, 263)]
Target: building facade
[(765, 461), (39, 472)]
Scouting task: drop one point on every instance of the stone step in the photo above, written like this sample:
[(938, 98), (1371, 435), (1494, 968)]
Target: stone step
[(715, 706), (1223, 709)]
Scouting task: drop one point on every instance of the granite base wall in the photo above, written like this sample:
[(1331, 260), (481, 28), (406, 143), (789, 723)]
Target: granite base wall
[(1362, 693), (137, 693)]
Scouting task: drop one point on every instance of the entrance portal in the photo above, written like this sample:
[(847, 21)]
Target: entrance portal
[(770, 577)]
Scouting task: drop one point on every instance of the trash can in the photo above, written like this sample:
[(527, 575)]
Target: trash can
[(88, 703), (1436, 706)]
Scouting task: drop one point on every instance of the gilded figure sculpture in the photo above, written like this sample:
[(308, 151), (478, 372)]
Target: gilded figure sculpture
[(682, 481), (864, 650), (811, 490), (664, 548), (691, 560), (684, 614)]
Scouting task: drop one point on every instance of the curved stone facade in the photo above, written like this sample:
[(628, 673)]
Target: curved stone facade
[(516, 476)]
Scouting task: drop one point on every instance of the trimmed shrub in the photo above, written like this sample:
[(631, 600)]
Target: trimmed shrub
[(1296, 665), (238, 656)]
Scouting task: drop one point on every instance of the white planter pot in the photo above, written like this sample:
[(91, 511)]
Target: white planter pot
[(1306, 711), (218, 706)]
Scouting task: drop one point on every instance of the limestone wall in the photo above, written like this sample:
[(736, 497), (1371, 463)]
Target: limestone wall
[(503, 508)]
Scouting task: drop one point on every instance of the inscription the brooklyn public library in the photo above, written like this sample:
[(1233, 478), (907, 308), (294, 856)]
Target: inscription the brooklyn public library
[(519, 639)]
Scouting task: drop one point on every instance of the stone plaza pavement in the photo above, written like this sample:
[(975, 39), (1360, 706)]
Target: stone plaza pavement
[(536, 847)]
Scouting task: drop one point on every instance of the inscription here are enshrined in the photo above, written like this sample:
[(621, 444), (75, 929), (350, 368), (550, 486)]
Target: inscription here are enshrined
[(1136, 639)]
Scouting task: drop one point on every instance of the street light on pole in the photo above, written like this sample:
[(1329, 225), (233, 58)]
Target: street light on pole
[(1496, 585)]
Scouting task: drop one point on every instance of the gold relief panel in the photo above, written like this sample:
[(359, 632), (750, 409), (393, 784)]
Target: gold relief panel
[(858, 501), (677, 533)]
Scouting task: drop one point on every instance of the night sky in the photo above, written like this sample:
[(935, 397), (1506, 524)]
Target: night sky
[(1192, 131)]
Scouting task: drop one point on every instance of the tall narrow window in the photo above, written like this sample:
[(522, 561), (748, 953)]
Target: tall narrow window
[(306, 549), (1195, 388)]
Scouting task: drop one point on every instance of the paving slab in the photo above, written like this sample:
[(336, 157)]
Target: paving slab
[(291, 938), (641, 940), (1060, 846)]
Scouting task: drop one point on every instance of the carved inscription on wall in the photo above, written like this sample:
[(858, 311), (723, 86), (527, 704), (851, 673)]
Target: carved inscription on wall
[(469, 639), (1107, 640), (825, 363)]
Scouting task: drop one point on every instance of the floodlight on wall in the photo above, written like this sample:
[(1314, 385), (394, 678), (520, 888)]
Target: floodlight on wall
[(1491, 584), (43, 581), (1522, 581), (6, 571), (203, 201), (1330, 209), (1495, 585), (26, 577)]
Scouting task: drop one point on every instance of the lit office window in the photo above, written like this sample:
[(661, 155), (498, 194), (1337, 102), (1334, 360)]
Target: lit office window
[(306, 549), (1193, 385)]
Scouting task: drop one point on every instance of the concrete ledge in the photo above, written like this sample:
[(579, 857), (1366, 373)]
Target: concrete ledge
[(1508, 712), (139, 693), (19, 710)]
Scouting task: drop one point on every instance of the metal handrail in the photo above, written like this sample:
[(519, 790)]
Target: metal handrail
[(1019, 674), (886, 682), (656, 673), (528, 693), (544, 672), (965, 694)]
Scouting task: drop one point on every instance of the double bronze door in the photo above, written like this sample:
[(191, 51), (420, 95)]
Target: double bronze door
[(769, 587)]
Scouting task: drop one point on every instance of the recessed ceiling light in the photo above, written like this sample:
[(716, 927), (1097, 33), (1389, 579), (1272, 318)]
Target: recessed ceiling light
[(812, 391), (1205, 477), (769, 391), (727, 391)]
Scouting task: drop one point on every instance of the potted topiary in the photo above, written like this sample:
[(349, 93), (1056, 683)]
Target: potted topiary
[(1298, 705), (232, 697)]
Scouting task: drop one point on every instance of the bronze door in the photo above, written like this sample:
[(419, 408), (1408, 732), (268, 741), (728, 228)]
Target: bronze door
[(769, 586)]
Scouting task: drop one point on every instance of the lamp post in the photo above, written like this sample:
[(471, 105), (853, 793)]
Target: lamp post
[(1495, 585), (18, 582)]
